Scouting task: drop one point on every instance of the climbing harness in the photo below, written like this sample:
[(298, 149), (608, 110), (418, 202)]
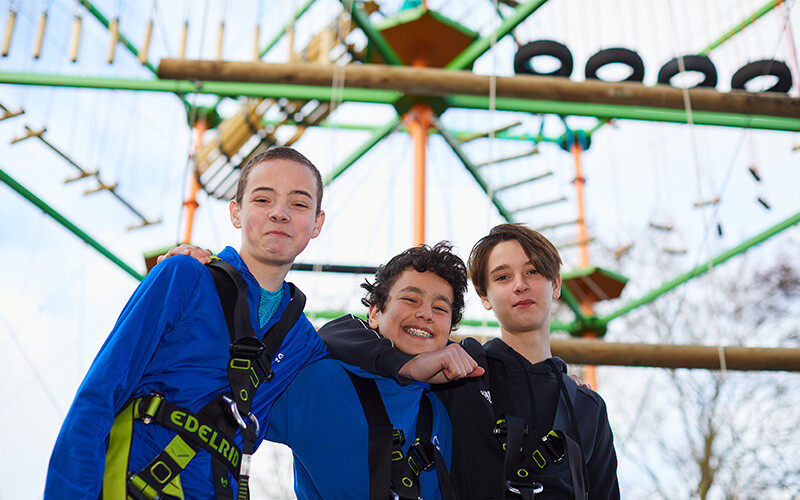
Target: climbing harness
[(392, 474), (526, 456), (214, 426)]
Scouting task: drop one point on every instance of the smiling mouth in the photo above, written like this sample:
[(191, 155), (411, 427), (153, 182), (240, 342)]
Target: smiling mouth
[(417, 332)]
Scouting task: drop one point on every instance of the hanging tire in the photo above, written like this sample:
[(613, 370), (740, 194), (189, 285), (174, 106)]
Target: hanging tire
[(616, 55), (701, 64), (526, 53), (763, 67)]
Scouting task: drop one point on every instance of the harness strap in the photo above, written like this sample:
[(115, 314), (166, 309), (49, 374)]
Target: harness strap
[(250, 358), (214, 426), (382, 449), (400, 475), (524, 456)]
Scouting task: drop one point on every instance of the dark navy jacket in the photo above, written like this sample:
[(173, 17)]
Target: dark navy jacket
[(477, 464)]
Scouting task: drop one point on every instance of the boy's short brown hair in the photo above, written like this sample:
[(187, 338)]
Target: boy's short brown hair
[(279, 153), (540, 250)]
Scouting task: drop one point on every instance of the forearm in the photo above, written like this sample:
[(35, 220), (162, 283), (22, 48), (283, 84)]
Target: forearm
[(351, 341)]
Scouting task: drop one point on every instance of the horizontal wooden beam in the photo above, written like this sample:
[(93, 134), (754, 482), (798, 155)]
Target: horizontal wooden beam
[(598, 352), (439, 82)]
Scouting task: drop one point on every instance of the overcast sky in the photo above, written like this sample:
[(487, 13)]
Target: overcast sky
[(59, 298)]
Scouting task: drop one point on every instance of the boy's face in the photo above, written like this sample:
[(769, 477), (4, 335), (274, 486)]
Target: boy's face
[(278, 212), (520, 297), (417, 315)]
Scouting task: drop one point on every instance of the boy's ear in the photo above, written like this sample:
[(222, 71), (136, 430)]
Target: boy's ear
[(557, 288), (318, 224), (233, 208), (374, 316), (486, 304)]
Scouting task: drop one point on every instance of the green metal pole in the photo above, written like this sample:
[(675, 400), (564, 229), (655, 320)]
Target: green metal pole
[(608, 111), (480, 46), (602, 111), (19, 188), (304, 92), (105, 22), (361, 151), (703, 268), (329, 314), (381, 45), (473, 170), (771, 4)]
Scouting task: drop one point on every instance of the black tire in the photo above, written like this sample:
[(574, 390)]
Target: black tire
[(616, 55), (764, 67), (701, 64), (523, 57)]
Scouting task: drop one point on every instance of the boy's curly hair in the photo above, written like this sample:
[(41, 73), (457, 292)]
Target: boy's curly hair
[(438, 259)]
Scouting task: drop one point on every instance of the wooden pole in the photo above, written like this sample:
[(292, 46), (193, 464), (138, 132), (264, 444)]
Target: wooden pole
[(182, 42), (148, 34), (439, 82), (113, 29), (599, 352), (37, 45), (75, 38), (12, 18)]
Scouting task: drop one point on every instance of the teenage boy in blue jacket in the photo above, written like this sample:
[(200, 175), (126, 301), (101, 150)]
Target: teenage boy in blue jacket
[(414, 302), (172, 338)]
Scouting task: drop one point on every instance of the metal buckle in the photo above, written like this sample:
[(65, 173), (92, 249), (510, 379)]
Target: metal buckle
[(553, 444), (534, 488), (238, 416), (420, 453)]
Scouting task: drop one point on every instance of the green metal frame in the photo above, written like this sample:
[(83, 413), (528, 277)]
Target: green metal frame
[(377, 96), (771, 4), (603, 112), (703, 268), (55, 215)]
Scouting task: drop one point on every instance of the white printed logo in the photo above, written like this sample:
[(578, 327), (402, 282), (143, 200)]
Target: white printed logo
[(278, 358), (487, 395)]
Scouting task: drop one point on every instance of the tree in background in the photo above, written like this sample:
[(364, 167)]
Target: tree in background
[(711, 434)]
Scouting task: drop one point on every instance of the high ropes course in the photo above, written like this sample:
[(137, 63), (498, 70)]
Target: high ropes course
[(430, 63)]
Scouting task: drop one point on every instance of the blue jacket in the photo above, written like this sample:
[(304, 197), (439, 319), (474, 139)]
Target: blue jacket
[(170, 337), (478, 458), (321, 418)]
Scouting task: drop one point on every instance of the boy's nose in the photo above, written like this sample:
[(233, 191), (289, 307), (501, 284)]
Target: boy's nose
[(279, 214), (425, 313)]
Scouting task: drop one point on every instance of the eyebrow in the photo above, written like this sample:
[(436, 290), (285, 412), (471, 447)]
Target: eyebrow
[(300, 192), (420, 291), (503, 267)]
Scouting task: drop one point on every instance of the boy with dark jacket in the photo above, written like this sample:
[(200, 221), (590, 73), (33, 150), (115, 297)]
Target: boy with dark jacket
[(557, 435)]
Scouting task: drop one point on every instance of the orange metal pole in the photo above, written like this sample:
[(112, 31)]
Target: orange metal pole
[(419, 123), (193, 184), (587, 307)]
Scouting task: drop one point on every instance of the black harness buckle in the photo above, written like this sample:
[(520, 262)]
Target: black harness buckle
[(421, 456), (500, 431), (252, 349), (549, 451)]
